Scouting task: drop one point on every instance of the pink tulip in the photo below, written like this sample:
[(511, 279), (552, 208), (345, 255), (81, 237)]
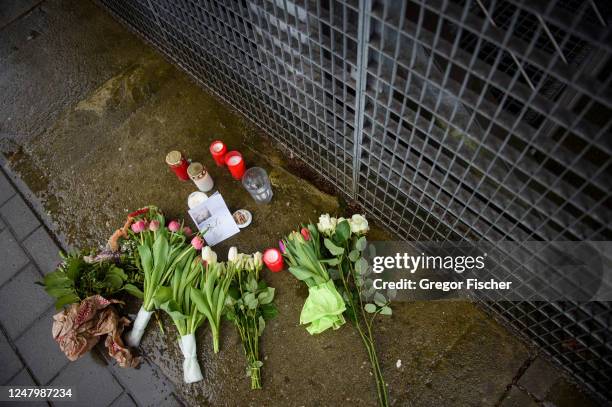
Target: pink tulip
[(305, 233), (281, 245), (154, 225), (139, 226), (187, 231), (174, 226), (197, 243)]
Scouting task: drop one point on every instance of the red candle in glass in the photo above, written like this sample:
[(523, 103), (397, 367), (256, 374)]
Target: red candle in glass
[(273, 260), (235, 163), (218, 151), (178, 164)]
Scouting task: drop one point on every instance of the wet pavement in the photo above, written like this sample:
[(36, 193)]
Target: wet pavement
[(87, 115)]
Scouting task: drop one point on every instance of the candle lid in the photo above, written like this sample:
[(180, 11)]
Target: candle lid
[(195, 170), (174, 157), (196, 198), (271, 255), (235, 159), (217, 146)]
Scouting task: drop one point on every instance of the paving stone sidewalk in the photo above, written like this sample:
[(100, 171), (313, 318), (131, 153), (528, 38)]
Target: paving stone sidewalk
[(28, 354)]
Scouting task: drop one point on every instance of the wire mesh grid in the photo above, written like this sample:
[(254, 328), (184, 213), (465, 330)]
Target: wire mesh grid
[(446, 120)]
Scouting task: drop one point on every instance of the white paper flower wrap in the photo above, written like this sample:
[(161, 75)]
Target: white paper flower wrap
[(191, 367), (140, 324)]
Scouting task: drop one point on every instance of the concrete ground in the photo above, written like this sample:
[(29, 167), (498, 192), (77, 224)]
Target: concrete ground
[(87, 114)]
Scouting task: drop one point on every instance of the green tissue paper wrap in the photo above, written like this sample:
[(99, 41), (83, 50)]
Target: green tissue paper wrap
[(323, 308)]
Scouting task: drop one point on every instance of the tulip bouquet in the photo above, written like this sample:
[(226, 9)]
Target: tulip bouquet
[(211, 292), (175, 300), (160, 249), (250, 305), (343, 243), (324, 306)]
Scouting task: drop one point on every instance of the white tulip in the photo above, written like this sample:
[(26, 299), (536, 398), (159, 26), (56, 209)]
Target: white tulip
[(326, 224), (208, 255), (232, 254), (359, 224)]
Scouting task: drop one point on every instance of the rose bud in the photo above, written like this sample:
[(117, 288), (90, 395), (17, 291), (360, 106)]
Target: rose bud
[(305, 233), (174, 226), (187, 231)]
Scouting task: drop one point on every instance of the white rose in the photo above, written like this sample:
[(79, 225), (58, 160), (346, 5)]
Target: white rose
[(209, 256), (326, 224), (258, 260), (359, 224)]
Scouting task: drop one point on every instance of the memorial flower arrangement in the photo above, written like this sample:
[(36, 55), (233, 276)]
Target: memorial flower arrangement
[(250, 305), (81, 275), (160, 248), (328, 257), (175, 300), (211, 293)]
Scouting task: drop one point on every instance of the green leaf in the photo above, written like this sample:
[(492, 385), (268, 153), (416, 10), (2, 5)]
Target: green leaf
[(331, 262), (333, 249), (343, 231), (116, 271), (361, 266), (162, 295), (252, 284), (250, 300), (361, 243), (266, 297), (269, 311), (261, 324), (57, 279), (301, 273), (133, 290), (370, 308), (380, 299), (66, 299), (113, 281), (173, 309), (354, 255), (58, 292), (386, 310)]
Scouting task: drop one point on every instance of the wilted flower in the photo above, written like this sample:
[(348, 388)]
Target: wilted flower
[(232, 254), (305, 233), (139, 226), (154, 225), (209, 256), (359, 224), (187, 231), (282, 247), (258, 260), (197, 242), (326, 224), (174, 226)]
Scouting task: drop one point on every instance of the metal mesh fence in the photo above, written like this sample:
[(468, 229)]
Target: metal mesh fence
[(446, 120)]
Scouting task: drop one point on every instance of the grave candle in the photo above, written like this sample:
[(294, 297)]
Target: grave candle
[(235, 163), (273, 260), (200, 177), (218, 150), (178, 164)]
